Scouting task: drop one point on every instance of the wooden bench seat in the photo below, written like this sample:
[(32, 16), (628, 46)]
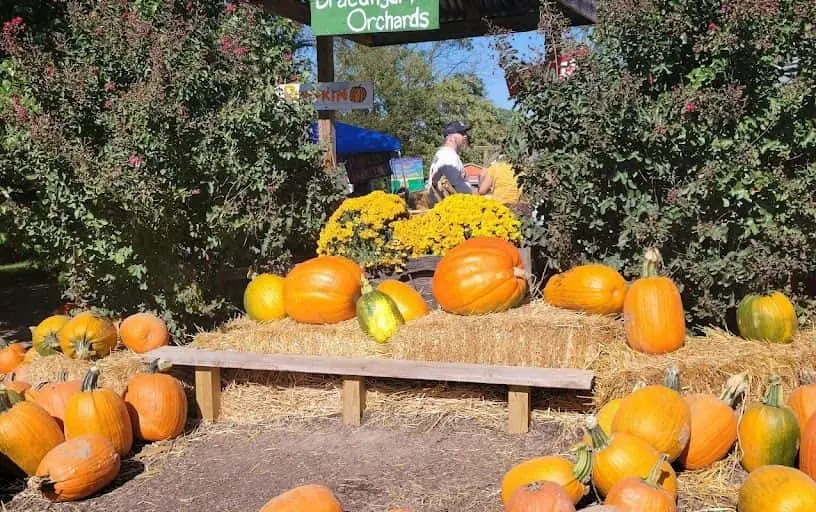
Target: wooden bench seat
[(520, 380)]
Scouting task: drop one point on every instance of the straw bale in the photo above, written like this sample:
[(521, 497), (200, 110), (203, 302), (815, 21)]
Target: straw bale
[(115, 369)]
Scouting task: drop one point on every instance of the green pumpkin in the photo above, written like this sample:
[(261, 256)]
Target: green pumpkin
[(377, 313), (767, 318), (769, 431)]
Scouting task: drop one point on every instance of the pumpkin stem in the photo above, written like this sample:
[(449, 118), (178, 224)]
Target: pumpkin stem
[(521, 273), (159, 365), (651, 260), (8, 399), (84, 349), (599, 438), (735, 387), (774, 395), (657, 470), (51, 341), (671, 378), (583, 464), (365, 285), (89, 383)]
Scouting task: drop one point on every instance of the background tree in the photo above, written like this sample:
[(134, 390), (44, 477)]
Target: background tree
[(418, 89)]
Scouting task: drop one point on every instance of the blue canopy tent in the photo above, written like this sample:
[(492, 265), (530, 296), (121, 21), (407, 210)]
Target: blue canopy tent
[(367, 154), (352, 140)]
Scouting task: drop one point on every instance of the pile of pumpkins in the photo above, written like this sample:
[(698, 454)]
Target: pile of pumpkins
[(68, 436), (480, 275), (633, 445), (652, 308)]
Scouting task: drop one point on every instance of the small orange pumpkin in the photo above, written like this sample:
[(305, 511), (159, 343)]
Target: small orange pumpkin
[(88, 336), (573, 477), (713, 424), (54, 396), (658, 415), (410, 303), (311, 497), (653, 314), (807, 450), (593, 288), (480, 275), (623, 455), (540, 497), (640, 494), (11, 356), (27, 432), (99, 412), (143, 332), (769, 431), (777, 489), (323, 290), (802, 400), (157, 404), (77, 468)]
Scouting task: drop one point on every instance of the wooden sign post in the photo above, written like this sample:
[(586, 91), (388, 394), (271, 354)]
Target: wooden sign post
[(326, 118)]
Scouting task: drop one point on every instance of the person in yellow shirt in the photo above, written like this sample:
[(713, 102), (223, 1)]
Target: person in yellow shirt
[(499, 182)]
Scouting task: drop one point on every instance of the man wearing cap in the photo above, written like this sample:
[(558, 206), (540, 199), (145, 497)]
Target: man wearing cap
[(447, 174)]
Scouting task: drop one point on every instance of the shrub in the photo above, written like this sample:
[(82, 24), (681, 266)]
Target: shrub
[(145, 150), (690, 126)]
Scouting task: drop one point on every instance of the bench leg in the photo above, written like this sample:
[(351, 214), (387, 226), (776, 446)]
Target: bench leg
[(208, 392), (354, 399), (518, 402)]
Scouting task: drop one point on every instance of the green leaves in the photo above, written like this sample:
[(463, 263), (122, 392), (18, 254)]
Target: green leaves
[(677, 132), (159, 157)]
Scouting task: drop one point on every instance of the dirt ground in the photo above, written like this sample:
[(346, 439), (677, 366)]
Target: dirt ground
[(238, 468)]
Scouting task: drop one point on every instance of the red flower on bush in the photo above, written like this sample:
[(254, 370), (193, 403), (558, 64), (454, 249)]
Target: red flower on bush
[(110, 86), (231, 7), (49, 70), (712, 27), (689, 107), (134, 160)]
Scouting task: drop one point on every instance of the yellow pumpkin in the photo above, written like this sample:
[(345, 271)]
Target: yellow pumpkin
[(593, 288), (573, 477), (45, 336), (410, 303), (263, 298), (88, 336)]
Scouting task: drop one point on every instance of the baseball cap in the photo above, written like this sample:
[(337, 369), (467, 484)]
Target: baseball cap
[(455, 127)]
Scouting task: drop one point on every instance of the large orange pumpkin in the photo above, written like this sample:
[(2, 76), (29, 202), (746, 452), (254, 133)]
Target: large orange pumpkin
[(802, 400), (480, 275), (410, 303), (638, 494), (54, 396), (573, 477), (27, 432), (157, 404), (807, 449), (593, 288), (713, 424), (653, 311), (88, 336), (777, 489), (45, 336), (99, 412), (623, 455), (769, 431), (658, 415), (540, 497), (311, 497), (143, 332), (323, 290), (77, 468)]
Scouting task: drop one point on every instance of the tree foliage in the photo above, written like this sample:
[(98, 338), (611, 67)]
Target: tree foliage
[(145, 150), (690, 126)]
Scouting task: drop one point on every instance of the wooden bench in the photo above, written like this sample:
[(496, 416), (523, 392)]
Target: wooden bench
[(520, 380)]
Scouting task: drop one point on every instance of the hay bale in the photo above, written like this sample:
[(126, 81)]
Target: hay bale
[(115, 369)]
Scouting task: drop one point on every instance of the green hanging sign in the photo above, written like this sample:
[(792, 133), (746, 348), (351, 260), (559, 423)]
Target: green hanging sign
[(340, 17)]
